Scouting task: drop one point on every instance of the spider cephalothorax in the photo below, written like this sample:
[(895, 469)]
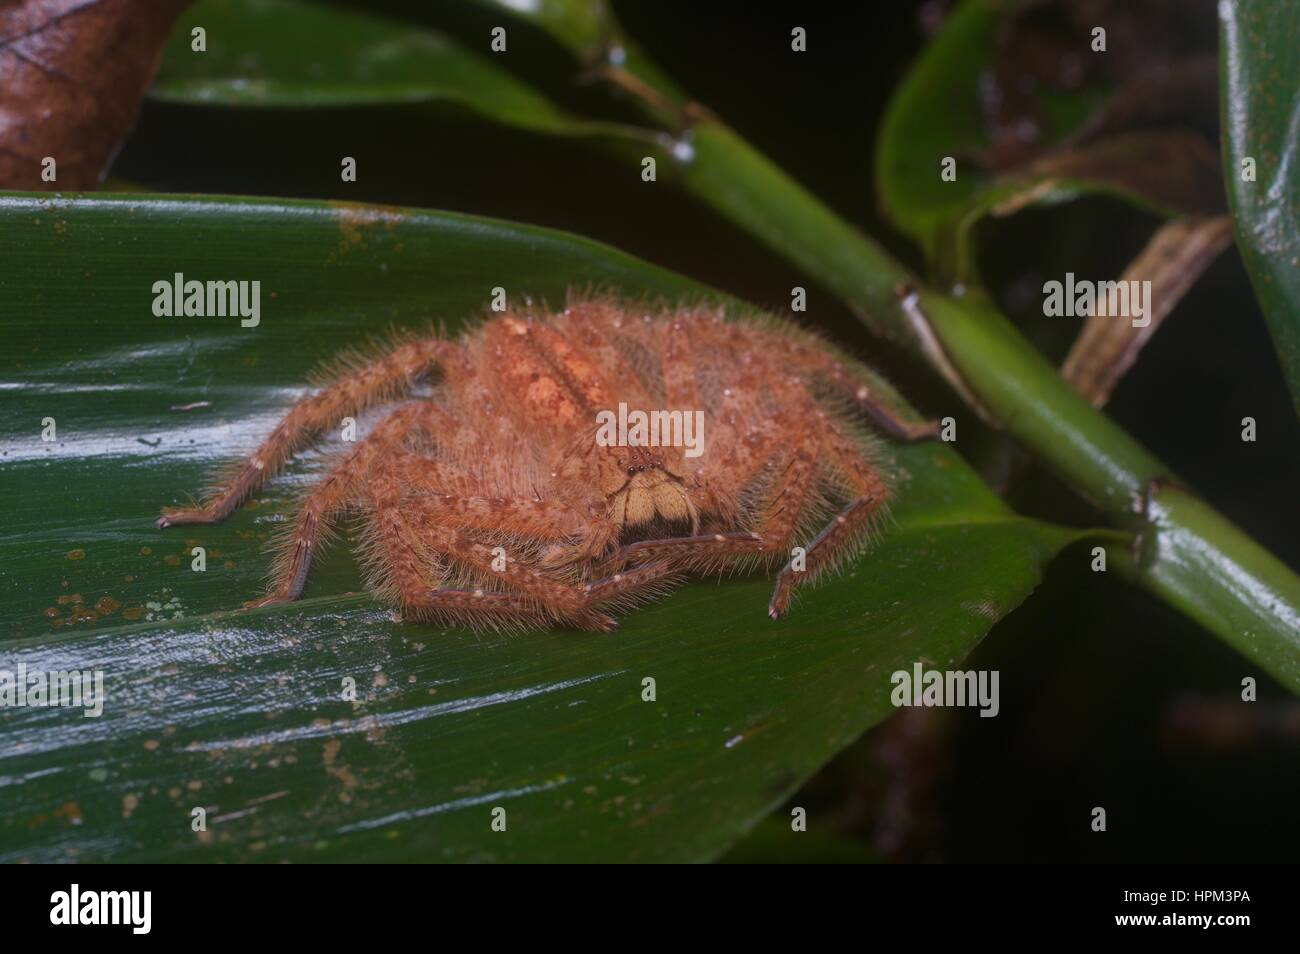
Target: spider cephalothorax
[(507, 497)]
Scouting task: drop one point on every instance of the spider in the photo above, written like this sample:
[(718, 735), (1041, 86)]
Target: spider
[(493, 502)]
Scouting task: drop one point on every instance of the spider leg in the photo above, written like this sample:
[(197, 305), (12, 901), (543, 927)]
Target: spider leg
[(313, 523), (843, 534), (709, 546), (745, 441), (495, 610), (554, 598), (408, 534), (477, 608), (533, 518), (577, 605), (872, 395), (403, 556), (389, 377), (891, 419), (401, 559)]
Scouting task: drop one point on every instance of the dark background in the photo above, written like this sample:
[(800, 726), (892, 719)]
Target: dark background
[(1108, 697)]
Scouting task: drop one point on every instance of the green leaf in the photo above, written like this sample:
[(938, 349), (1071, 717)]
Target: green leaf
[(582, 26), (1026, 393), (1261, 121), (338, 58), (242, 713), (590, 32), (937, 113), (933, 113)]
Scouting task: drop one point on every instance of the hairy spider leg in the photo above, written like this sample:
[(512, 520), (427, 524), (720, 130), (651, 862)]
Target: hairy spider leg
[(843, 535), (793, 490), (313, 525), (529, 516), (849, 528), (351, 392), (537, 597), (874, 398)]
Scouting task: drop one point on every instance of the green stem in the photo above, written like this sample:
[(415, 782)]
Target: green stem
[(1191, 557), (1195, 560)]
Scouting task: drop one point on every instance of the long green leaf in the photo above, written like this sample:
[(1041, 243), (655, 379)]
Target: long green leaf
[(242, 714), (589, 30), (1261, 122), (582, 26), (1084, 448), (338, 58)]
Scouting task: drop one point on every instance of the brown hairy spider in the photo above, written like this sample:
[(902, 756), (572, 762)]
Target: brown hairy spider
[(499, 501)]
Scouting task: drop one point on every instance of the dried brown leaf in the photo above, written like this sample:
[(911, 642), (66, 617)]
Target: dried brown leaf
[(1172, 260), (72, 75), (1159, 69), (1174, 168)]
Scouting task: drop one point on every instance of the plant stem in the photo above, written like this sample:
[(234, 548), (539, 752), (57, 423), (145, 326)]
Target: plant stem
[(1190, 557), (1195, 560)]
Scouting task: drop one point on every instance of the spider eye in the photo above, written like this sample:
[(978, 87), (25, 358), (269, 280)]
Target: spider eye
[(631, 471)]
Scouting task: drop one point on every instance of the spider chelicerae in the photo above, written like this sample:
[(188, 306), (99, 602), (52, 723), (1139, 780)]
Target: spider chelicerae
[(497, 501)]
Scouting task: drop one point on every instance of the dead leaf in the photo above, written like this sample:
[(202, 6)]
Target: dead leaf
[(1159, 68), (1178, 93), (72, 75), (1174, 168), (1173, 259)]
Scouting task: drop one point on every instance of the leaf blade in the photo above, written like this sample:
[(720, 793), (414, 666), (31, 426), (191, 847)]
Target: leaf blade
[(1261, 121), (241, 714), (340, 58)]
